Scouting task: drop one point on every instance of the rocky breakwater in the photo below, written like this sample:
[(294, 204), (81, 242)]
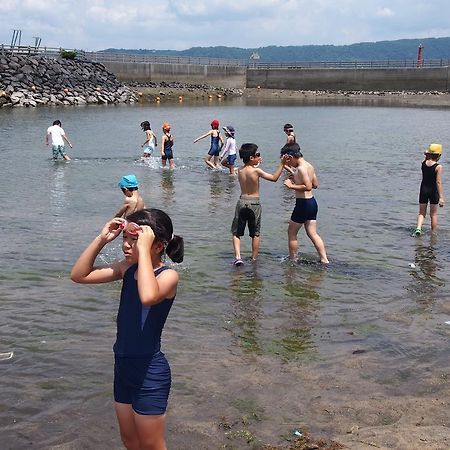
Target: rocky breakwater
[(36, 80)]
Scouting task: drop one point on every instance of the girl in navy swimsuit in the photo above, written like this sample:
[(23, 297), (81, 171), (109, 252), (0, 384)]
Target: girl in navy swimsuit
[(141, 372), (216, 145)]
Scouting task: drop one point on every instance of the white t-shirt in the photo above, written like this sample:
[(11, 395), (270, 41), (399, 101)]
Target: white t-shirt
[(57, 133), (230, 148)]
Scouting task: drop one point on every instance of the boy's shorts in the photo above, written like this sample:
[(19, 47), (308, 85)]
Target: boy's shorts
[(143, 383), (231, 159), (248, 211), (58, 150), (305, 209)]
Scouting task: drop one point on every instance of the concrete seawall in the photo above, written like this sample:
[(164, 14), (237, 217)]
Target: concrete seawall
[(223, 76), (408, 79)]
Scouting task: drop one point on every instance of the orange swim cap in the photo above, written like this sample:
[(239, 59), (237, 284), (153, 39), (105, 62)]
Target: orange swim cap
[(166, 126)]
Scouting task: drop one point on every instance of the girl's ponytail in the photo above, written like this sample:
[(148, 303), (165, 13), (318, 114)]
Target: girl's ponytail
[(175, 249)]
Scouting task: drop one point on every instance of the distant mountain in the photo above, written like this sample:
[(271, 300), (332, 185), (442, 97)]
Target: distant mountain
[(434, 48)]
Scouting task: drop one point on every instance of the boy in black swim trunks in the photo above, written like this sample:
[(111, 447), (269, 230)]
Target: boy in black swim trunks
[(248, 208), (303, 180)]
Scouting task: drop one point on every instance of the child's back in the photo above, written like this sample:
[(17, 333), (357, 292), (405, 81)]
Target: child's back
[(133, 201)]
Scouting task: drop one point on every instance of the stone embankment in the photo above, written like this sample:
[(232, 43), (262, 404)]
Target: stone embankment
[(36, 80)]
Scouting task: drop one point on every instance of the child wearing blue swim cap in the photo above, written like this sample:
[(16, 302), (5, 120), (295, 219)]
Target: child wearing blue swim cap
[(133, 201)]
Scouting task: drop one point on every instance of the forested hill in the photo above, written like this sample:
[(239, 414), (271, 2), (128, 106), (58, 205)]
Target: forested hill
[(434, 48)]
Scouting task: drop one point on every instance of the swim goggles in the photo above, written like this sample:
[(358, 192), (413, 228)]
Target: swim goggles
[(130, 227)]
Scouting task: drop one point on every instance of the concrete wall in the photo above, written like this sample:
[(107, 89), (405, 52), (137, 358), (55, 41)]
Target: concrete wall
[(222, 76), (423, 79)]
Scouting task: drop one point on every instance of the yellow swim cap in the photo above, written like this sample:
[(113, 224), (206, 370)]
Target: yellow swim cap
[(435, 149)]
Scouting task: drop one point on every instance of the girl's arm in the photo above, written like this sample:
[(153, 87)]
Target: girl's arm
[(225, 150), (439, 185), (67, 140), (84, 270), (203, 136), (163, 141), (152, 290)]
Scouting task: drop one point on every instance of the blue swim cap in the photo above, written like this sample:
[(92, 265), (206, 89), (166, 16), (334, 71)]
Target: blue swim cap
[(128, 181)]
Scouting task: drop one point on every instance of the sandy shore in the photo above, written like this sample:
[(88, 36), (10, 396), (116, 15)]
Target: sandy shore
[(208, 93)]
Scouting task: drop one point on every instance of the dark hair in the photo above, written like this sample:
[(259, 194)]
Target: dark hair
[(57, 122), (288, 126), (129, 189), (292, 149), (146, 125), (432, 156), (246, 151), (161, 224)]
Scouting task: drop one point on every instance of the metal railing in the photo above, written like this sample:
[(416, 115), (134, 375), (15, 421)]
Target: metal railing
[(388, 64), (106, 57)]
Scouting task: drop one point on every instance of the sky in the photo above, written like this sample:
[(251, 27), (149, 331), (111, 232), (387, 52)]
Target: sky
[(180, 24)]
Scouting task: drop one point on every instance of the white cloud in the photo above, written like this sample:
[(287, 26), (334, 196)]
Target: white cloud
[(385, 12)]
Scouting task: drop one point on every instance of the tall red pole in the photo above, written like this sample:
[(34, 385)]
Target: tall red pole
[(420, 56)]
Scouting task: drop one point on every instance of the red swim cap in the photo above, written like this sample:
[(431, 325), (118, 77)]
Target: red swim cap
[(215, 124)]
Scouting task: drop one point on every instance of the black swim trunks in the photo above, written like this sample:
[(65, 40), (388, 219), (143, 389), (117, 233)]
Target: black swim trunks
[(305, 209)]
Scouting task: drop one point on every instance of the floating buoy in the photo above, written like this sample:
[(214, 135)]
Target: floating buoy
[(219, 95), (210, 96), (158, 99), (180, 98), (140, 94), (258, 87)]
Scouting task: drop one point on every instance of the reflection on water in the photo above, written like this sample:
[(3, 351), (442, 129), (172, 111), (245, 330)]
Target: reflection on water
[(167, 186), (425, 282), (246, 302)]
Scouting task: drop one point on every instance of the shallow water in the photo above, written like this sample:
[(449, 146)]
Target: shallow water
[(241, 342)]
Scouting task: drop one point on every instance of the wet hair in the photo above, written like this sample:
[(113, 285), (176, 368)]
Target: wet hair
[(433, 156), (288, 127), (161, 224), (246, 151), (57, 122), (146, 125), (292, 149)]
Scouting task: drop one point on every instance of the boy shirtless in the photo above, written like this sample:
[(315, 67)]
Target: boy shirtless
[(248, 208), (133, 200), (290, 135), (302, 181)]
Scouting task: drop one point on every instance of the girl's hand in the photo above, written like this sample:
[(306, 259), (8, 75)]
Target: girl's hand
[(441, 202), (111, 230), (146, 237)]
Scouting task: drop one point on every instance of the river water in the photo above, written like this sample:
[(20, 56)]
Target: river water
[(252, 350)]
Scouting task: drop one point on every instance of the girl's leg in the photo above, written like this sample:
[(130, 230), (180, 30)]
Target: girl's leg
[(311, 231), (127, 425), (172, 163), (216, 162), (163, 161), (150, 430), (421, 215), (208, 161), (231, 170), (434, 217)]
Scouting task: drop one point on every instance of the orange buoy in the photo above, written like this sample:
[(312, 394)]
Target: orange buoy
[(180, 98), (157, 99)]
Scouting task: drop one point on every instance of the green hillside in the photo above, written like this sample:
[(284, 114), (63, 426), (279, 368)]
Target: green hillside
[(434, 48)]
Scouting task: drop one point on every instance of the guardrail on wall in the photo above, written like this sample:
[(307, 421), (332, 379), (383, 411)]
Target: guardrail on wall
[(201, 60)]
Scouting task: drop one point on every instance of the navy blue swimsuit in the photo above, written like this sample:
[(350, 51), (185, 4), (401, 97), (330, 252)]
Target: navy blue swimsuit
[(168, 151), (214, 149), (141, 372), (428, 187)]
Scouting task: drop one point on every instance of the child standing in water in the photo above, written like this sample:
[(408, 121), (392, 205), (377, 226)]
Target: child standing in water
[(58, 137), (290, 136), (167, 146), (248, 208), (431, 188), (133, 201), (228, 155), (216, 144), (150, 140), (303, 181), (142, 376)]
